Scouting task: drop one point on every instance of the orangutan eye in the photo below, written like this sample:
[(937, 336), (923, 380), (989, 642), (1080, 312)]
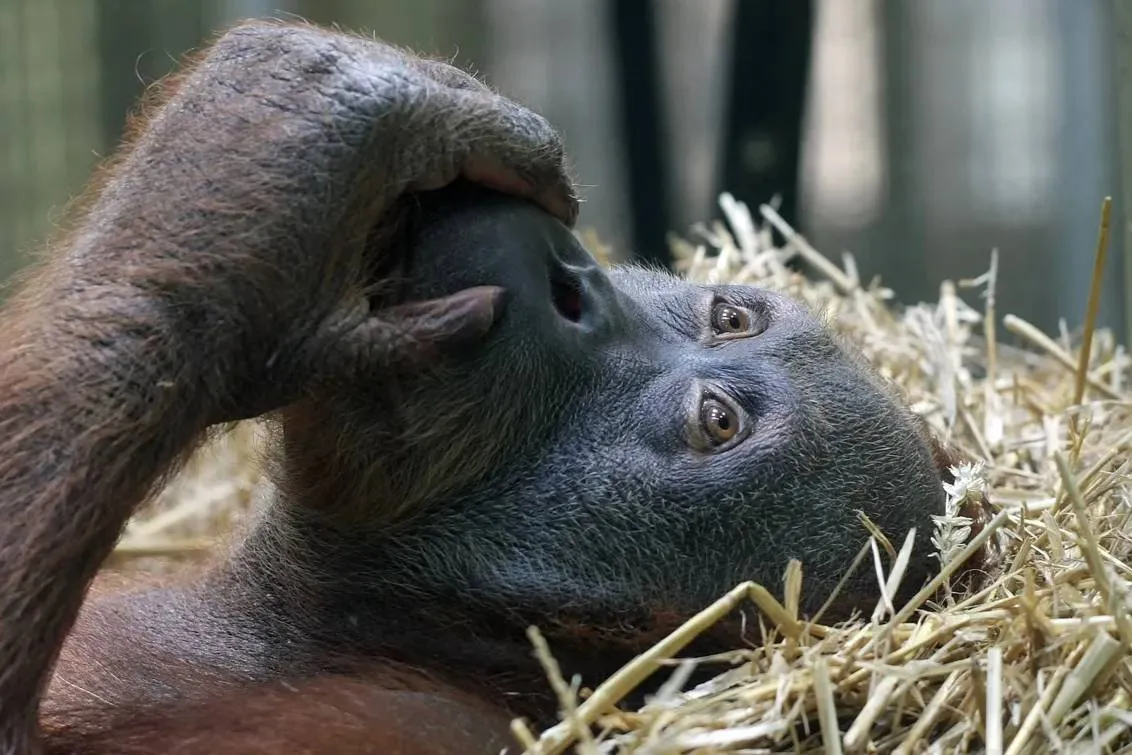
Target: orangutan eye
[(714, 422), (728, 319), (719, 423)]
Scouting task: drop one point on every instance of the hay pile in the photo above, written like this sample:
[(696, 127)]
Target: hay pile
[(1036, 660)]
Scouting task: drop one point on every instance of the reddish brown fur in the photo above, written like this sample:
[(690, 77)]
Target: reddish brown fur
[(137, 333), (352, 712), (383, 708)]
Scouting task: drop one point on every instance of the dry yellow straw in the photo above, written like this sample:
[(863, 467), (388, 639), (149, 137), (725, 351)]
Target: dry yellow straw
[(1091, 312), (557, 738)]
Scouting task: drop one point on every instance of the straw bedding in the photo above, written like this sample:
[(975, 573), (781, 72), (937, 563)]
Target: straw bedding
[(1033, 658)]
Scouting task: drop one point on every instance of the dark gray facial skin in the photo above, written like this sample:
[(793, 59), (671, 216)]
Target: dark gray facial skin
[(611, 495), (605, 465)]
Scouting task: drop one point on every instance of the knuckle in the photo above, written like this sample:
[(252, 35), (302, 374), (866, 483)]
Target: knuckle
[(262, 38), (348, 78)]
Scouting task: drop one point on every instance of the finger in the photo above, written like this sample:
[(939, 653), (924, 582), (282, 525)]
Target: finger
[(496, 143), (554, 193), (546, 142), (409, 337), (515, 150)]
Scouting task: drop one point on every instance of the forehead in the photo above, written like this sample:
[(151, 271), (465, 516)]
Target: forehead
[(688, 300)]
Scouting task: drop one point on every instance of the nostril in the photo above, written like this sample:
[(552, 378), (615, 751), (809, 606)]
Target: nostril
[(566, 293)]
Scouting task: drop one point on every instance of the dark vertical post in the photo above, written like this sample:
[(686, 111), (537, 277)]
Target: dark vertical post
[(770, 69), (642, 127)]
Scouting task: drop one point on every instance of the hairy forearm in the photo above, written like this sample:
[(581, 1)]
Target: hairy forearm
[(144, 330), (84, 442)]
